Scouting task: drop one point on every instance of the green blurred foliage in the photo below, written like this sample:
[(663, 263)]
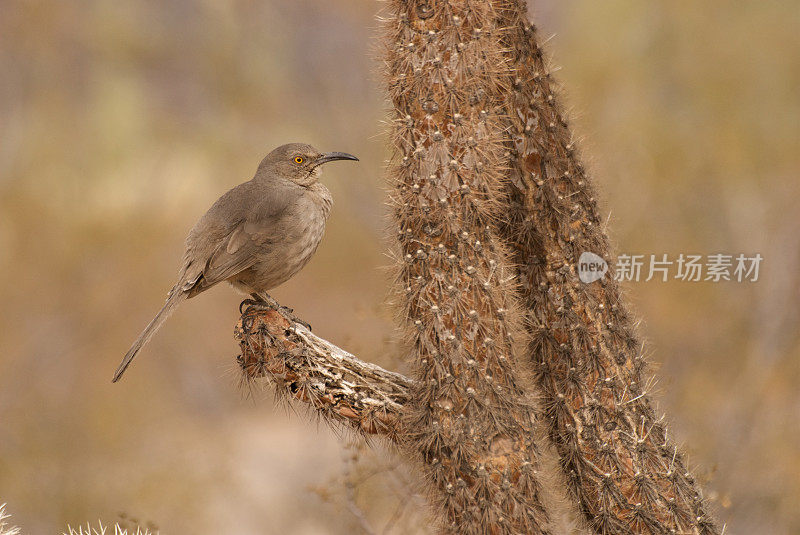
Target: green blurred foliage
[(120, 123)]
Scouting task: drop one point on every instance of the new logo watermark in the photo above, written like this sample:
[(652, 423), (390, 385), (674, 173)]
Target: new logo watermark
[(591, 267), (685, 267)]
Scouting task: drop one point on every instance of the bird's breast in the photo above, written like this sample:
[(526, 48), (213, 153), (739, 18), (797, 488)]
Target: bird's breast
[(300, 234)]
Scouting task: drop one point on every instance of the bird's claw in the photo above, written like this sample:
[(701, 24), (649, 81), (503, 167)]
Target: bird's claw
[(298, 320), (262, 304), (288, 313), (257, 304)]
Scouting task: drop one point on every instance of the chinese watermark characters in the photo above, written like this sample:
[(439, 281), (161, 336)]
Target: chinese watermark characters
[(685, 267)]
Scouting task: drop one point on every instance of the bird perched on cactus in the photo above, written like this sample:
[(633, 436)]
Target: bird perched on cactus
[(256, 236)]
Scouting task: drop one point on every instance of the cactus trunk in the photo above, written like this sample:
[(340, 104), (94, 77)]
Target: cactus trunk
[(627, 475), (469, 418)]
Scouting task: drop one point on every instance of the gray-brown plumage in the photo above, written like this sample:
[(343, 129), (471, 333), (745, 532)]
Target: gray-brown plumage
[(257, 235)]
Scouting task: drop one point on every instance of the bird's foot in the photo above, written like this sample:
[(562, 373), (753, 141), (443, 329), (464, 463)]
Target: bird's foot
[(266, 302), (256, 304), (264, 297), (289, 313)]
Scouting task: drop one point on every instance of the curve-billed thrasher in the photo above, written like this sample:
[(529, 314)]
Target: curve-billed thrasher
[(257, 235)]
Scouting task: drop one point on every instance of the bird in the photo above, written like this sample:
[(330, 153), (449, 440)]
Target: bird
[(256, 236)]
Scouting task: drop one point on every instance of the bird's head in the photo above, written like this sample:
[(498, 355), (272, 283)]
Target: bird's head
[(297, 162)]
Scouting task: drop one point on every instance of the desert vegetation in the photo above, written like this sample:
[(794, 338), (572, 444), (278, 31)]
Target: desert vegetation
[(124, 121)]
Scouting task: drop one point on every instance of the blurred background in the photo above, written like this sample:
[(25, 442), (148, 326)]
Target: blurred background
[(121, 122)]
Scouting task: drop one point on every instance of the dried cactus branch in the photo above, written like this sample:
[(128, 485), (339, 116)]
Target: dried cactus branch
[(628, 476), (340, 387)]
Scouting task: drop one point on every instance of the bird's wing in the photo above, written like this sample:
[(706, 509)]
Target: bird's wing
[(226, 240), (240, 250)]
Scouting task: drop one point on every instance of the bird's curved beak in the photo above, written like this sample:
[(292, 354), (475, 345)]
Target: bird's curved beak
[(333, 156)]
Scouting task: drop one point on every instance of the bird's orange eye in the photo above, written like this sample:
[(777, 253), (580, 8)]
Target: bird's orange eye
[(298, 159)]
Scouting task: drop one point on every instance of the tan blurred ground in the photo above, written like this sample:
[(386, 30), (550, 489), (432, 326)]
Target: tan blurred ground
[(120, 122)]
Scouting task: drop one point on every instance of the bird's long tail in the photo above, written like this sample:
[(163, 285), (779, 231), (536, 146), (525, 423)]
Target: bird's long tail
[(175, 298)]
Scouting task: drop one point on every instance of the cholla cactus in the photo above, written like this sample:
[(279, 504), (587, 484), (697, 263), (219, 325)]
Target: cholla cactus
[(493, 210), (622, 468), (5, 529), (100, 529), (468, 417)]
